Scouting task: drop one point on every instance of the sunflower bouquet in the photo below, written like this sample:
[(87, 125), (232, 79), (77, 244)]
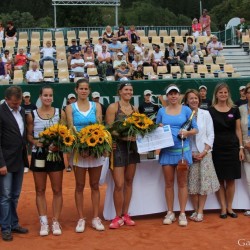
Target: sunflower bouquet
[(58, 137), (93, 140), (135, 124)]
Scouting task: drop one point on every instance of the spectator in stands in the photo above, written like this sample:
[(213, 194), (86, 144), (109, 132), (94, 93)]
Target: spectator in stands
[(147, 107), (1, 31), (137, 61), (138, 73), (20, 61), (146, 57), (122, 35), (96, 98), (190, 47), (196, 28), (182, 54), (214, 47), (243, 98), (77, 65), (123, 73), (139, 48), (34, 75), (132, 34), (205, 22), (125, 48), (98, 46), (241, 29), (117, 62), (157, 58), (47, 54), (3, 70), (170, 56), (205, 102), (8, 60), (10, 32), (72, 50), (87, 44), (89, 58), (108, 34), (114, 46), (104, 62), (130, 55)]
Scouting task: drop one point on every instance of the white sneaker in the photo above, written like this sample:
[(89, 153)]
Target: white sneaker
[(26, 170), (97, 224), (80, 226), (169, 218), (56, 228), (247, 213), (183, 220), (44, 230)]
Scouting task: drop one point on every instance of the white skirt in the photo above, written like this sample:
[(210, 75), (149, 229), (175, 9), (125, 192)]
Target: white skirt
[(86, 162)]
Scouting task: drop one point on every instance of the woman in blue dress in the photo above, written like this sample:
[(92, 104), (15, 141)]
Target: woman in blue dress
[(79, 115), (175, 115)]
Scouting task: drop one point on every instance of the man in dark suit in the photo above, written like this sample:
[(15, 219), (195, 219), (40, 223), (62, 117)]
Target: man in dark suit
[(13, 157)]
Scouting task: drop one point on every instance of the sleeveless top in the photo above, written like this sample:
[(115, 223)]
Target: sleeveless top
[(79, 119), (120, 115), (40, 124)]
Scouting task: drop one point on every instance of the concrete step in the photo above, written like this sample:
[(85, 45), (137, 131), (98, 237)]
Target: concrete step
[(234, 50), (239, 66), (232, 53), (238, 60)]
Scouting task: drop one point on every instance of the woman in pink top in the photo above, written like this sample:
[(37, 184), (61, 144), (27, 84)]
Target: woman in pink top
[(196, 28)]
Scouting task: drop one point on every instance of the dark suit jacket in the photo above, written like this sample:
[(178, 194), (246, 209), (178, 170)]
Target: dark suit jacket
[(13, 153), (167, 53)]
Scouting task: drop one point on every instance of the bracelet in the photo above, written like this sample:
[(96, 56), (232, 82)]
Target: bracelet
[(241, 147)]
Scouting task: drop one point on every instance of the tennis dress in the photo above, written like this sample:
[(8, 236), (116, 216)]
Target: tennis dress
[(171, 155), (126, 151), (39, 125), (226, 144), (81, 120)]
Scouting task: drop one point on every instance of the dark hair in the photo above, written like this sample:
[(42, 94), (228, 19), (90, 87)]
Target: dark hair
[(182, 44), (194, 91), (6, 51), (123, 29), (15, 91), (190, 38), (170, 44), (157, 46), (83, 80), (10, 22), (43, 88), (124, 84)]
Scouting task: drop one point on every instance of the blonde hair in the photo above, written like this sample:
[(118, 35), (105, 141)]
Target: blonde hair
[(193, 91), (217, 88)]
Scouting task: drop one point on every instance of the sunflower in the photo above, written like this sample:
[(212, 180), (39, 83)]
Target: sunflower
[(63, 131), (68, 140), (101, 140), (92, 141)]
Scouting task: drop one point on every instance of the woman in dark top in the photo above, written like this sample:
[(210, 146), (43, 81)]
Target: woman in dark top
[(122, 35), (228, 146), (10, 32), (108, 34), (125, 159)]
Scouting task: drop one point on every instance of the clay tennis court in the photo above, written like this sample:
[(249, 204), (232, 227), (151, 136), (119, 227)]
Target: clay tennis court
[(149, 233)]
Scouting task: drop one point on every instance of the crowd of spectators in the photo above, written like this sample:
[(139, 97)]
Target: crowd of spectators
[(114, 53)]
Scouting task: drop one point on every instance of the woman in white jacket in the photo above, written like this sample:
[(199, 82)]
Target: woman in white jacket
[(202, 178), (245, 126)]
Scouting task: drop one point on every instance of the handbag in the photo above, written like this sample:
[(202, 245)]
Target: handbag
[(182, 164)]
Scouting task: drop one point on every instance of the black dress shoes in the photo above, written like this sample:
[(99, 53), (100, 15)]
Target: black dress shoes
[(20, 230), (223, 216), (233, 215), (7, 236)]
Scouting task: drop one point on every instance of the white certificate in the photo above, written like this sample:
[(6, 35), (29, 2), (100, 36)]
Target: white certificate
[(159, 138)]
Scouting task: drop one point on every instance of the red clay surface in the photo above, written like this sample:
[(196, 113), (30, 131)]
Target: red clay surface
[(149, 233)]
